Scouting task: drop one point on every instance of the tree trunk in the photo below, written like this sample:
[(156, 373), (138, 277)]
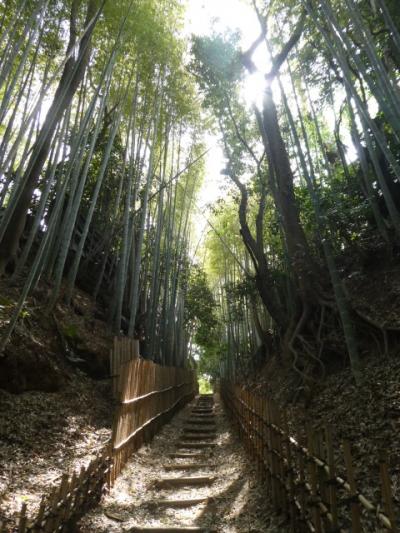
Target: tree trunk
[(283, 193), (71, 77)]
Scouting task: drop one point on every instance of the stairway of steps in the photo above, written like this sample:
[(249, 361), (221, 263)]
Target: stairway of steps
[(198, 436), (194, 476)]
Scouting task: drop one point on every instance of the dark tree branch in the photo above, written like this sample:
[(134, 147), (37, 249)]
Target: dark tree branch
[(176, 176), (246, 56), (240, 136), (279, 59)]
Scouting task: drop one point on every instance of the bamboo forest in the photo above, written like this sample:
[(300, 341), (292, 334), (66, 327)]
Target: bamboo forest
[(199, 266)]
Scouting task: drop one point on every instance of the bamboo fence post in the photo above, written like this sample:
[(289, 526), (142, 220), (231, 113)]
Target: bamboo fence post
[(267, 450), (39, 517), (22, 519), (265, 444), (260, 438), (312, 470), (277, 458), (247, 420), (252, 428), (302, 484), (332, 483), (355, 506), (64, 485), (280, 461), (387, 490), (276, 488), (270, 440), (50, 520), (289, 470), (69, 508)]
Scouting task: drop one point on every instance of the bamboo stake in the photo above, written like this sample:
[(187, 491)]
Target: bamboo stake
[(289, 472), (22, 519), (387, 490), (332, 490), (355, 506)]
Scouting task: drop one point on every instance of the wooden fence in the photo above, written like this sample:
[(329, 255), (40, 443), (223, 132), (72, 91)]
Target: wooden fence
[(148, 396), (303, 481), (68, 501), (124, 349)]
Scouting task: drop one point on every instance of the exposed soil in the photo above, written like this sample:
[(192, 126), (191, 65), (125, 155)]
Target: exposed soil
[(368, 417), (43, 435), (236, 500), (46, 345), (54, 417)]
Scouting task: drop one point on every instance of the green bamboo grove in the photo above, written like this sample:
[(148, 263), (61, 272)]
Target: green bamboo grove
[(104, 107)]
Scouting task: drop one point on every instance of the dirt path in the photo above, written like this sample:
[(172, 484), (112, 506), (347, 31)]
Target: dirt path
[(217, 489)]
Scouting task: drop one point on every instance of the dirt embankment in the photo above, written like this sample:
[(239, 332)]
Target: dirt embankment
[(55, 398)]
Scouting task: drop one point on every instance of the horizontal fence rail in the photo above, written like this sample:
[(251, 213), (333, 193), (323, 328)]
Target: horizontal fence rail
[(302, 480), (148, 395)]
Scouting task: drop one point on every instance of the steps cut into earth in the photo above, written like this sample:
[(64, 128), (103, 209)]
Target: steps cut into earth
[(188, 480)]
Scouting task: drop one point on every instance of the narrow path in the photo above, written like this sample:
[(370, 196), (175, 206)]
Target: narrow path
[(194, 476)]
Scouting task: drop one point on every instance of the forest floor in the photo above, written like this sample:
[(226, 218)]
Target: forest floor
[(43, 435), (54, 416), (234, 502), (367, 416)]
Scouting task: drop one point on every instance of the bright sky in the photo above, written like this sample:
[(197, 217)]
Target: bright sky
[(202, 17)]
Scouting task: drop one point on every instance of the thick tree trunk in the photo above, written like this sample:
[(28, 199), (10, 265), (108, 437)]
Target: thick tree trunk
[(264, 280), (72, 75), (283, 192)]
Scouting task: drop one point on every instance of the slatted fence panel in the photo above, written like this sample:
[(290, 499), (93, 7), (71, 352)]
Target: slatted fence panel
[(302, 479), (124, 350), (150, 395)]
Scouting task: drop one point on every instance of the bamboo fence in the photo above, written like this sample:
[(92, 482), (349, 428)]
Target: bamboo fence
[(124, 349), (148, 395), (302, 480)]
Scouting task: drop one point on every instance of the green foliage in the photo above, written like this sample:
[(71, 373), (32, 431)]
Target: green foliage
[(204, 385), (70, 331), (201, 314), (202, 320)]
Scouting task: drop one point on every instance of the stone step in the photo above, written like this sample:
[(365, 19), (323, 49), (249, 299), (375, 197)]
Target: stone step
[(187, 455), (187, 466), (172, 529), (194, 445), (171, 482), (178, 503), (203, 420), (202, 436), (200, 428)]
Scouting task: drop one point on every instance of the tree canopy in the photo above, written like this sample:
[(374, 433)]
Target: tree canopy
[(104, 110)]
